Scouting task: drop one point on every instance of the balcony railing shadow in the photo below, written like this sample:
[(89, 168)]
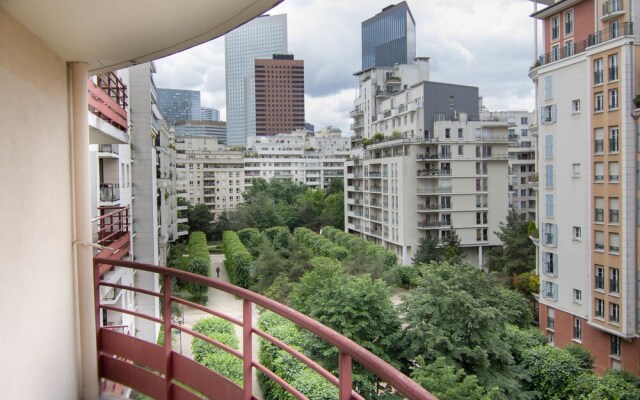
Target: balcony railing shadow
[(162, 373)]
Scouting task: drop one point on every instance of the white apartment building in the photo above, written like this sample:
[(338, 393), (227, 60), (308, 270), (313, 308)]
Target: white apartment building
[(313, 159), (438, 168), (523, 178), (209, 173)]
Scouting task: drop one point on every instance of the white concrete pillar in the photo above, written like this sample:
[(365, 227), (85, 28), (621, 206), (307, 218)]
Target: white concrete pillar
[(82, 220), (480, 258)]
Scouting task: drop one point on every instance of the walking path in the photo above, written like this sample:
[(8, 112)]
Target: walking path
[(225, 303)]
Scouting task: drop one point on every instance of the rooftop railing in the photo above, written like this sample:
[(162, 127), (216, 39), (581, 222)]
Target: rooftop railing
[(162, 373)]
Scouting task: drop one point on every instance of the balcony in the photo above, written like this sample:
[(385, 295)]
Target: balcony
[(612, 9), (430, 224), (433, 172), (110, 192), (163, 373), (111, 149), (102, 103), (624, 29)]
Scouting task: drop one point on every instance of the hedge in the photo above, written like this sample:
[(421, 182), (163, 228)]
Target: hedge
[(237, 259), (251, 239), (199, 263), (320, 246), (303, 378), (353, 242), (212, 357), (279, 236)]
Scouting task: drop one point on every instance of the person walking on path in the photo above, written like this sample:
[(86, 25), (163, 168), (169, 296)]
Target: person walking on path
[(218, 271)]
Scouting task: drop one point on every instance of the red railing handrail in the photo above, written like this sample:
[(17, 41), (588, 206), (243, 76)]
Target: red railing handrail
[(348, 349), (105, 105)]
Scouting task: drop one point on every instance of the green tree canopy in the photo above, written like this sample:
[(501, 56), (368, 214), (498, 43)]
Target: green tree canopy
[(518, 253), (199, 219)]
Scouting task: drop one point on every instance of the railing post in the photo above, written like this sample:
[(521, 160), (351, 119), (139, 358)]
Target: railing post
[(167, 336), (346, 376), (247, 349)]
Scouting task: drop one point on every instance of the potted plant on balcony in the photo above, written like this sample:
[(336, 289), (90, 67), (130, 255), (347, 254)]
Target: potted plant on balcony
[(636, 101)]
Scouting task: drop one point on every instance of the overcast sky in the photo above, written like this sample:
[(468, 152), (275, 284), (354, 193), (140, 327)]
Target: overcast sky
[(488, 44)]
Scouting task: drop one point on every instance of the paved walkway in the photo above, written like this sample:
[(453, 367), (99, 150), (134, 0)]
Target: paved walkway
[(224, 303)]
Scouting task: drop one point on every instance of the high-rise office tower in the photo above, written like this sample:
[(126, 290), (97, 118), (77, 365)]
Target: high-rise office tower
[(389, 37), (279, 95), (261, 38), (209, 114), (586, 81), (178, 104)]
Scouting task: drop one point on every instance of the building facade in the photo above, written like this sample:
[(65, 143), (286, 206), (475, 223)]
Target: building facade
[(209, 114), (389, 37), (208, 173), (300, 156), (585, 82), (214, 129), (279, 100), (423, 164), (258, 39), (178, 104)]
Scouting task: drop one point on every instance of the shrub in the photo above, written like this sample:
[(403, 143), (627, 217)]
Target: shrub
[(212, 357), (251, 239), (355, 243), (237, 259), (199, 263), (319, 245)]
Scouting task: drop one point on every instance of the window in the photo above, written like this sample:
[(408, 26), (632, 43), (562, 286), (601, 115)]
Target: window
[(481, 218), (577, 233), (599, 282), (555, 27), (598, 175), (524, 120), (524, 132), (614, 243), (568, 22), (614, 171), (551, 336), (460, 150), (577, 295), (597, 72), (447, 133), (548, 114), (599, 241), (614, 29), (598, 209), (568, 48), (613, 99), (575, 169), (549, 205), (614, 280), (551, 320), (614, 206), (598, 143), (599, 309), (548, 175), (613, 67), (548, 146), (614, 312), (575, 106), (459, 133), (615, 345), (577, 328), (549, 235), (550, 266), (550, 290), (555, 52), (548, 87), (445, 202), (598, 102)]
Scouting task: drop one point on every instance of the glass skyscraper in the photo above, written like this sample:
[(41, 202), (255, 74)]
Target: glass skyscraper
[(389, 37), (259, 39), (179, 105)]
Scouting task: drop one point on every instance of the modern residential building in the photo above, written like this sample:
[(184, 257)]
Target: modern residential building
[(523, 178), (209, 114), (301, 156), (154, 203), (178, 104), (425, 164), (258, 39), (586, 80), (389, 37), (279, 100), (209, 173), (213, 129)]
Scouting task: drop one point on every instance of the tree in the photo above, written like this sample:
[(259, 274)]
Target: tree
[(427, 251), (451, 248), (199, 219), (551, 370), (518, 253), (333, 212), (336, 185)]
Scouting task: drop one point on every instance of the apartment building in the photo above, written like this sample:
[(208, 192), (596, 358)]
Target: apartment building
[(523, 178), (279, 94), (313, 159), (423, 164), (209, 173), (586, 80)]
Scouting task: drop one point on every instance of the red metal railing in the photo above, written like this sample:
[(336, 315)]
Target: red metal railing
[(113, 234), (102, 105), (165, 373)]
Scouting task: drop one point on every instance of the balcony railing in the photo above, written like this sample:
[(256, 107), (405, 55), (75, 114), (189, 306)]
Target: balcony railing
[(612, 7), (109, 192), (559, 53), (162, 373), (105, 107)]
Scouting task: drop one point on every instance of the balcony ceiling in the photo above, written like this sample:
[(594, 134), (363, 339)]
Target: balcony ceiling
[(114, 34)]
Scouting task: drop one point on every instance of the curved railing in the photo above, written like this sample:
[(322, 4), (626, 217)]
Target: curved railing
[(164, 374)]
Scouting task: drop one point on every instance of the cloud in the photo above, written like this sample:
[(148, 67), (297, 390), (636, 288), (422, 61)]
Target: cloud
[(486, 44)]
